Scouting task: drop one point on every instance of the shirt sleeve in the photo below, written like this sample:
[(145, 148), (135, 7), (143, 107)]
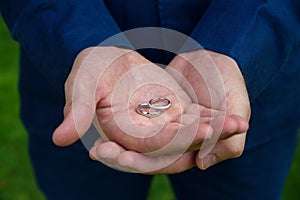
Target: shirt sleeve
[(260, 35), (52, 32)]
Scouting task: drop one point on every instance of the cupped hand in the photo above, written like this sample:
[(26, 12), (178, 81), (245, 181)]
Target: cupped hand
[(208, 73), (213, 81), (110, 82)]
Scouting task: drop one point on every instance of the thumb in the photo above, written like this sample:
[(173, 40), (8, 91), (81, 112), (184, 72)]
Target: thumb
[(232, 147), (80, 105), (77, 120)]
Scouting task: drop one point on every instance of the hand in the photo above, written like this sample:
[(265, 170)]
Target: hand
[(93, 94), (115, 156), (195, 67), (85, 94), (110, 82)]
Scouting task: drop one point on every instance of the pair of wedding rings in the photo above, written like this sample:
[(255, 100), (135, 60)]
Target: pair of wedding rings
[(154, 107)]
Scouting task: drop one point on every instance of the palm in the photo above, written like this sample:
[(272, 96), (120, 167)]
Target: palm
[(120, 122)]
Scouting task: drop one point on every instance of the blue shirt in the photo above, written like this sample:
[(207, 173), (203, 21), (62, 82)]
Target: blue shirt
[(262, 36)]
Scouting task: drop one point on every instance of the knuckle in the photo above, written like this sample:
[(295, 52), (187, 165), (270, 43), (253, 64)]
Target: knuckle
[(69, 82), (236, 151)]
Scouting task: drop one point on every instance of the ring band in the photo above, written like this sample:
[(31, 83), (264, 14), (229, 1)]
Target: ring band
[(145, 110), (155, 103)]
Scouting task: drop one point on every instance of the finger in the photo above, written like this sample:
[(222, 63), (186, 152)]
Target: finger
[(233, 125), (227, 125), (112, 155), (168, 164), (93, 150), (107, 153), (185, 162), (189, 134), (176, 138), (202, 111), (108, 150), (75, 124), (79, 110), (225, 149), (216, 128)]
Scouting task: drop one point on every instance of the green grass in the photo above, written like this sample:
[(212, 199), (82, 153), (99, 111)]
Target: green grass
[(292, 186), (16, 176)]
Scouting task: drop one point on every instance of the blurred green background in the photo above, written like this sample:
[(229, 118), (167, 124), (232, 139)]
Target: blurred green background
[(16, 176)]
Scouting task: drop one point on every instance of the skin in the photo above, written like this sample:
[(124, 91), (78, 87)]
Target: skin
[(108, 82), (237, 101)]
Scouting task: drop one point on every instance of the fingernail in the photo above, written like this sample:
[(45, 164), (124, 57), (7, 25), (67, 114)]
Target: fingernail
[(93, 153), (208, 161)]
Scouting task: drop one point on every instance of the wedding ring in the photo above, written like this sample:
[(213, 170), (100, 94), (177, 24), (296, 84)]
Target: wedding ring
[(154, 108), (145, 110), (159, 103)]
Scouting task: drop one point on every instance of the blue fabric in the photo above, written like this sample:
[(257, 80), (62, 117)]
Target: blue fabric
[(262, 36), (69, 174), (257, 174)]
